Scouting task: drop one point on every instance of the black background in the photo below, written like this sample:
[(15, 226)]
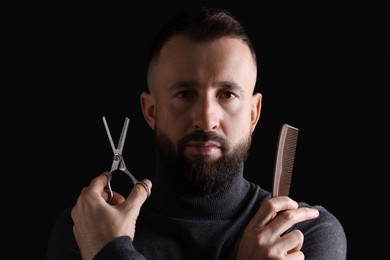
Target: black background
[(323, 67)]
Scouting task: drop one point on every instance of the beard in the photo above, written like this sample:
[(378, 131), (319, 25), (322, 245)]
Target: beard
[(200, 175)]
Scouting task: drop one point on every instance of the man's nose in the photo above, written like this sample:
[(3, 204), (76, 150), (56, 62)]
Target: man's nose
[(207, 115)]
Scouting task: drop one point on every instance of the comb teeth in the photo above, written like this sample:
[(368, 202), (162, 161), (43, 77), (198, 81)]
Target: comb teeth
[(284, 160)]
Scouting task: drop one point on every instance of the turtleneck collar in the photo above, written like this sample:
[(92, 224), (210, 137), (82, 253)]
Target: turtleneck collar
[(167, 199)]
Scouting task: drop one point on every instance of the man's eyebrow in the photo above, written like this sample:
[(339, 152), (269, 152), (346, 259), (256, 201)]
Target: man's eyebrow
[(229, 85), (193, 84), (184, 84)]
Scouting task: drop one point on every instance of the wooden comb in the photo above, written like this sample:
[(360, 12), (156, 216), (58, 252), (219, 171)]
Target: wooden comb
[(285, 156)]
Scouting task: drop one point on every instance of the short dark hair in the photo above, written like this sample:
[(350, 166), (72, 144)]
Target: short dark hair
[(201, 24)]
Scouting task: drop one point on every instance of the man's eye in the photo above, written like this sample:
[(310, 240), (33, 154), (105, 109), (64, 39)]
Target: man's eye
[(228, 95), (185, 94)]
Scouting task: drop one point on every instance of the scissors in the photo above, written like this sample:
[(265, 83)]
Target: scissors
[(118, 163)]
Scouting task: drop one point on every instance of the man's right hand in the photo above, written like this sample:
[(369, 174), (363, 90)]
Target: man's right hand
[(97, 222)]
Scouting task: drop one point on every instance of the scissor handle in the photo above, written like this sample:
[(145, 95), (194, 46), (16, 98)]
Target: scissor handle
[(135, 181), (108, 187)]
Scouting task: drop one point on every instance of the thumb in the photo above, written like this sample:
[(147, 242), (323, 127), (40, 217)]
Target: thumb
[(137, 197)]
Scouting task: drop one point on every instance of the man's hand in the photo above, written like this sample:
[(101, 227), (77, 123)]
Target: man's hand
[(97, 222), (262, 238)]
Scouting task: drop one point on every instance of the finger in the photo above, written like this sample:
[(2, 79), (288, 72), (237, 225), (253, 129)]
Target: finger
[(295, 240), (290, 244), (116, 199), (148, 186), (284, 220), (295, 255), (269, 210), (98, 185), (137, 197), (99, 182)]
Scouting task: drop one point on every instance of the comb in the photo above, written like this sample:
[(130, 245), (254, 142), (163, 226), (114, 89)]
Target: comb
[(285, 156)]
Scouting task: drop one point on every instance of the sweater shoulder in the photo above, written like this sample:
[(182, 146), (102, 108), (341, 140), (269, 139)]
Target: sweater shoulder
[(325, 236)]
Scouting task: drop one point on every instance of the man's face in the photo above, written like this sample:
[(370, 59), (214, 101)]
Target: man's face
[(201, 104)]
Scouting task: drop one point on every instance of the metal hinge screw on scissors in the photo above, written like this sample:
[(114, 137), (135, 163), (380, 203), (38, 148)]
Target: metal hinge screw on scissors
[(118, 163)]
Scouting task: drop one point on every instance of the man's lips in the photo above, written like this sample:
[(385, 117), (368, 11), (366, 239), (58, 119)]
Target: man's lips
[(202, 147)]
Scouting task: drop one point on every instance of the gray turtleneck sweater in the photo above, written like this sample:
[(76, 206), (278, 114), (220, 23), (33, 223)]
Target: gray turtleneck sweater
[(174, 226)]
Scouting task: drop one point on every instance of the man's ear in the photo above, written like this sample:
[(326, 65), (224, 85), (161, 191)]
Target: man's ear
[(148, 108), (255, 110)]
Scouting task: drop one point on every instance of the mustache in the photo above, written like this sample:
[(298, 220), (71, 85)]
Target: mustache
[(204, 137)]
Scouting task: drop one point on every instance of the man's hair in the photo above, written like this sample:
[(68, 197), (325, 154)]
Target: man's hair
[(200, 24)]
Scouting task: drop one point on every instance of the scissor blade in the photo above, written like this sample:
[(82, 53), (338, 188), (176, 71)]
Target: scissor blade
[(122, 138), (109, 134)]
